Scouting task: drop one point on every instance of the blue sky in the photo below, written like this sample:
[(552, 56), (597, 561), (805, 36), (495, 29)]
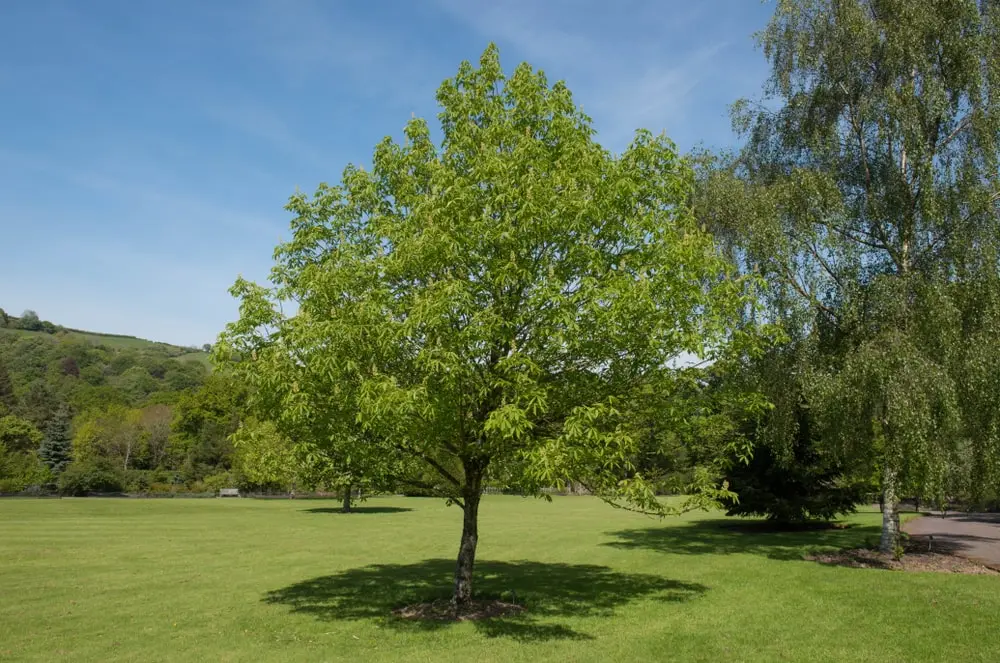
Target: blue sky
[(148, 148)]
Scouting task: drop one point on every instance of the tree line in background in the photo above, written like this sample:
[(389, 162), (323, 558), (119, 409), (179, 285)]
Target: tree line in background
[(29, 321), (81, 418), (88, 418)]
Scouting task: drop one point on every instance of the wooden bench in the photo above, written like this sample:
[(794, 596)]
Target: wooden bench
[(229, 492)]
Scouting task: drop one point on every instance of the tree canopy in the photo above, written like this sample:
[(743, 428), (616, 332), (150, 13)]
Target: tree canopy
[(486, 306), (867, 196)]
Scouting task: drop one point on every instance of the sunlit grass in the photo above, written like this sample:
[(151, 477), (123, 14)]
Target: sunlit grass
[(293, 580)]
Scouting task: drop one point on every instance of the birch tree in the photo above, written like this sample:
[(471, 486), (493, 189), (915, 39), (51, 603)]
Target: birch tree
[(867, 196)]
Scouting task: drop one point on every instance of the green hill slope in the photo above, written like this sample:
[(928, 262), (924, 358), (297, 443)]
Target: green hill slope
[(128, 412), (114, 341)]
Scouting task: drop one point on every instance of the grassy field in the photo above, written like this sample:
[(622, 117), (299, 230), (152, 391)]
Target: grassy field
[(283, 580)]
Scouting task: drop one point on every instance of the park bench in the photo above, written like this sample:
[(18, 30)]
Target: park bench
[(229, 492)]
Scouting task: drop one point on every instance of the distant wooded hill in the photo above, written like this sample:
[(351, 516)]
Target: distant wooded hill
[(93, 412), (30, 323)]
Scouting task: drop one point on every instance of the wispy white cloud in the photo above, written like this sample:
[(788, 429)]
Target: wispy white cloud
[(312, 42), (634, 66), (658, 98), (264, 124), (156, 145), (156, 261), (156, 295), (147, 198)]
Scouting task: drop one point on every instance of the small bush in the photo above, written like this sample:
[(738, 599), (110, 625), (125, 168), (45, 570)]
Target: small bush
[(10, 486), (215, 482), (83, 478), (164, 476), (15, 487), (162, 487), (137, 481), (20, 471)]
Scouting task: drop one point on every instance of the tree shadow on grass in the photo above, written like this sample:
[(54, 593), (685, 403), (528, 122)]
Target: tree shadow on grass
[(358, 509), (725, 537), (547, 591)]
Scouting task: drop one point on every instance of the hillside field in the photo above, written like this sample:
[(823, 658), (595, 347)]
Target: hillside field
[(294, 580), (117, 341)]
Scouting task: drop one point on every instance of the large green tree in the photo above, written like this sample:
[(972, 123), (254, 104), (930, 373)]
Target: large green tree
[(867, 195), (111, 433), (266, 457), (487, 305), (19, 464), (203, 422)]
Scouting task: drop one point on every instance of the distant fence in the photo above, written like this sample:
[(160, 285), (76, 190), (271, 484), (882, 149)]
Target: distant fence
[(573, 489), (31, 495), (285, 495), (138, 495)]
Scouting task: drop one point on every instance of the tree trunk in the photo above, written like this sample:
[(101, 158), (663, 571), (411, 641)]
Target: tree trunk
[(467, 550), (347, 498), (890, 511), (472, 492)]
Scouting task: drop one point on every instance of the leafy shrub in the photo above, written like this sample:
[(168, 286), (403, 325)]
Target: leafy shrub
[(214, 482), (97, 476), (163, 487), (10, 486), (137, 481), (29, 320), (20, 471), (16, 487)]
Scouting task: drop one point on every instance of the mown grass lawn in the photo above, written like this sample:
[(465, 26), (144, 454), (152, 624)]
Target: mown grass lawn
[(293, 580)]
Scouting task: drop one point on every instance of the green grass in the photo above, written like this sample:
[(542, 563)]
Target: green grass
[(195, 356), (293, 580)]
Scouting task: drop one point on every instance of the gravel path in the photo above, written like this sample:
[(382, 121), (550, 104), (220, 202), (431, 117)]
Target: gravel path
[(972, 535)]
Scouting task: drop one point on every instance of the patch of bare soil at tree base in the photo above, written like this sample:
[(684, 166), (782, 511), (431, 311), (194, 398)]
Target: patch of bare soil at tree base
[(919, 557), (444, 610)]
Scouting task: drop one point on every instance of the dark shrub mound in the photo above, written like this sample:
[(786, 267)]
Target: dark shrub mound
[(794, 487), (84, 478)]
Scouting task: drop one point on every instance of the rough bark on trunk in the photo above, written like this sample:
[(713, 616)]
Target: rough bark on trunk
[(890, 512), (347, 498), (471, 494), (467, 551)]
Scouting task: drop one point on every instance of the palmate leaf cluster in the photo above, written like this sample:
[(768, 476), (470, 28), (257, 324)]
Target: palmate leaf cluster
[(495, 300)]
